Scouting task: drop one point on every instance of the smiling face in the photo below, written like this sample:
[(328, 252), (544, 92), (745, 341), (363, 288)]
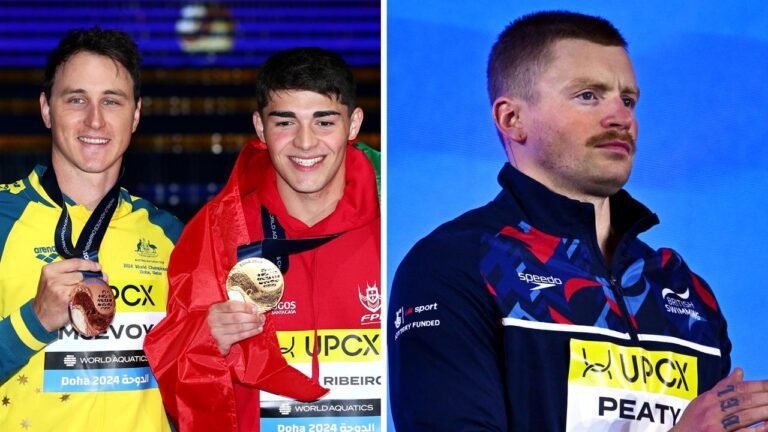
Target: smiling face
[(306, 134), (579, 132), (91, 114)]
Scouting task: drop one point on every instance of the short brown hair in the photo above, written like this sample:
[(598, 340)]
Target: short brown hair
[(114, 44), (523, 48)]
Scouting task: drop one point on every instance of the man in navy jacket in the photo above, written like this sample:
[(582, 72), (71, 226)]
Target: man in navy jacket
[(542, 310)]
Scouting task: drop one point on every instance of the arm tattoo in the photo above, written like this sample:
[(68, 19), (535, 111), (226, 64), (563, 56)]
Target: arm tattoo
[(727, 389), (730, 421), (729, 403)]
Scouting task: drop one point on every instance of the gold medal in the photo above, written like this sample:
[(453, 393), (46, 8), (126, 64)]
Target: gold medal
[(91, 307), (256, 280)]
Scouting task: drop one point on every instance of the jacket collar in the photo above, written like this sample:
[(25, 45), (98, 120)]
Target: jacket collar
[(563, 216), (35, 191)]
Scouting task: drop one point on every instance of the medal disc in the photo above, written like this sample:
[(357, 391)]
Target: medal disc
[(256, 280), (91, 307)]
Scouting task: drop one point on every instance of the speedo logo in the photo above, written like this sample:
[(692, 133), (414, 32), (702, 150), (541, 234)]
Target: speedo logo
[(354, 345), (604, 364), (540, 281)]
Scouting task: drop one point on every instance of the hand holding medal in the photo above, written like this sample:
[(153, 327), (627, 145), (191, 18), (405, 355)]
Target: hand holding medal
[(55, 287), (258, 283), (257, 280)]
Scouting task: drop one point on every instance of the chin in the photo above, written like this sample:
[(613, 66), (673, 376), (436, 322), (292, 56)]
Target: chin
[(306, 188), (95, 169), (608, 187)]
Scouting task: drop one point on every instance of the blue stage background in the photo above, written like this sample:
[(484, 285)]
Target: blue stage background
[(701, 165)]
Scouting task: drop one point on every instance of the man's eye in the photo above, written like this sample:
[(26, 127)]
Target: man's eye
[(587, 96), (110, 102), (325, 123), (629, 102), (76, 100), (283, 123)]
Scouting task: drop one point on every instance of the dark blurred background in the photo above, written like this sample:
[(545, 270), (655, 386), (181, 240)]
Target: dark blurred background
[(200, 60)]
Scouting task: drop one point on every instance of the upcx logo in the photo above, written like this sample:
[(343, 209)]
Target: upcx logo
[(134, 295), (338, 345), (604, 364)]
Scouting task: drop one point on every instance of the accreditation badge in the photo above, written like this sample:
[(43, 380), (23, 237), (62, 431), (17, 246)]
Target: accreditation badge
[(614, 387), (256, 280)]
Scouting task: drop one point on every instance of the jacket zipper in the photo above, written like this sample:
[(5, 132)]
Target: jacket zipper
[(619, 294), (616, 289), (615, 286)]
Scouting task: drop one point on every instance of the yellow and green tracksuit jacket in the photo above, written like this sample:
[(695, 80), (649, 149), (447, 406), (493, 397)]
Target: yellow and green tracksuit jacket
[(61, 381)]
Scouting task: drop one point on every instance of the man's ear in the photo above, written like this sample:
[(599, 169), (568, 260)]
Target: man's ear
[(258, 124), (136, 116), (45, 110), (354, 125), (507, 114)]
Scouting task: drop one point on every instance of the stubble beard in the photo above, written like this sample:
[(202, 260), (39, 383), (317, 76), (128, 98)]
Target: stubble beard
[(580, 178)]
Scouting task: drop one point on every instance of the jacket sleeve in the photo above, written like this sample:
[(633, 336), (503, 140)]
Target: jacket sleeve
[(725, 349), (444, 343), (21, 336), (706, 292)]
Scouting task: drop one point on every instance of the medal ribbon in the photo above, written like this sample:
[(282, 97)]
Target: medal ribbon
[(88, 243), (275, 247)]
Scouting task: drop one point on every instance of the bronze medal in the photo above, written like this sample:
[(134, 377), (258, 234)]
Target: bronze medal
[(91, 307), (256, 280)]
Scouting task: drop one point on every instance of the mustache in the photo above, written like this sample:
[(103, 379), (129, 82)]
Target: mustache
[(611, 135)]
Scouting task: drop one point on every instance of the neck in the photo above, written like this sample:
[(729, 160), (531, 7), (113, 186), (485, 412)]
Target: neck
[(605, 236), (84, 188), (309, 208)]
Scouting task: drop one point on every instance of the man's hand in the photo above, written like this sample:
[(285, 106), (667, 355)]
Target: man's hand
[(731, 405), (54, 288), (233, 321)]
